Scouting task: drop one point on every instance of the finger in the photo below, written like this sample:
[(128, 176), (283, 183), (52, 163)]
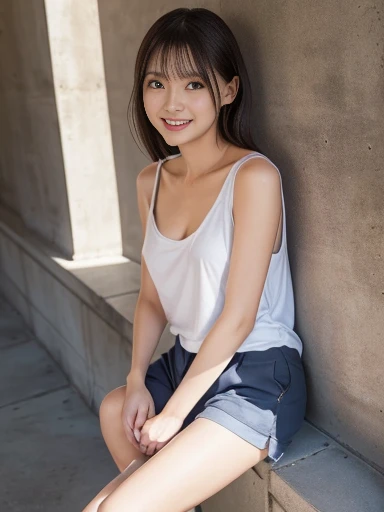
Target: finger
[(151, 410), (137, 435), (143, 448), (151, 448), (131, 438), (143, 443), (129, 433), (141, 417)]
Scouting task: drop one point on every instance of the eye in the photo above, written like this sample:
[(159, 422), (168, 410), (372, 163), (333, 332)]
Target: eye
[(201, 86), (154, 82), (198, 83)]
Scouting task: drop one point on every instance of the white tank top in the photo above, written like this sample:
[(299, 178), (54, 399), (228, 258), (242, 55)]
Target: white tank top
[(190, 275)]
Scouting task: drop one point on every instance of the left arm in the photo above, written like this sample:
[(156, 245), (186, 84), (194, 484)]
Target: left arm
[(256, 211)]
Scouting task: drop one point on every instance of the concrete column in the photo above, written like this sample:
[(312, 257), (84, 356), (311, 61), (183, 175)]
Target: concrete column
[(82, 108)]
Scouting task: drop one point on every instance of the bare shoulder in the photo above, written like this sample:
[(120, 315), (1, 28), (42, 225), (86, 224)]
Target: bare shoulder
[(145, 182), (257, 194), (257, 171)]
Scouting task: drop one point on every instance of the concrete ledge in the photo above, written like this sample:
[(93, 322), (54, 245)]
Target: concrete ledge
[(97, 283), (81, 311), (331, 479)]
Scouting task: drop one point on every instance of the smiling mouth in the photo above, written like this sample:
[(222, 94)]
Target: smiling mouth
[(177, 120), (176, 127)]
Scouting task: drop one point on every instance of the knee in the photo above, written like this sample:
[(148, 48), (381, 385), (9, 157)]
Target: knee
[(112, 403), (105, 507), (93, 506), (109, 506), (101, 508)]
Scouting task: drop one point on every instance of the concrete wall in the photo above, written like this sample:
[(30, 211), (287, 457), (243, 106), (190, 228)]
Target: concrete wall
[(56, 123), (317, 72), (31, 159)]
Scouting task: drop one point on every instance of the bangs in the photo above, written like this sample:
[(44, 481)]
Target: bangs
[(182, 59)]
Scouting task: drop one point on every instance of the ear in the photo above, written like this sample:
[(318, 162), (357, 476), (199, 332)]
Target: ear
[(230, 91)]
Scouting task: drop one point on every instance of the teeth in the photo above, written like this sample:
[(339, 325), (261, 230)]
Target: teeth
[(176, 123)]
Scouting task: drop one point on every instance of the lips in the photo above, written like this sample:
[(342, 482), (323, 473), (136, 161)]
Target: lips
[(173, 127), (176, 120)]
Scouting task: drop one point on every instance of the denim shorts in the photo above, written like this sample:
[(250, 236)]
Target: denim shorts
[(260, 395)]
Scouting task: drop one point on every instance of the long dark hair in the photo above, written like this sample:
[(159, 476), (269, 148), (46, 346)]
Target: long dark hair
[(213, 48)]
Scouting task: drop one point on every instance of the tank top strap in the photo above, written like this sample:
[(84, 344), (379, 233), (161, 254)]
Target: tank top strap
[(157, 177), (155, 185), (231, 185)]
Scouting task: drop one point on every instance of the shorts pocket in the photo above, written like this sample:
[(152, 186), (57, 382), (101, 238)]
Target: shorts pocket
[(282, 372), (264, 374)]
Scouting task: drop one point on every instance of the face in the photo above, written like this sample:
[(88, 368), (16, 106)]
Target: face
[(186, 99)]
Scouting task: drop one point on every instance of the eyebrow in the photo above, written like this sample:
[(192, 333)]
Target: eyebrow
[(189, 74), (161, 75)]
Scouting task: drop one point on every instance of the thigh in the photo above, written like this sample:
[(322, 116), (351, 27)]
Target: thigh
[(197, 463)]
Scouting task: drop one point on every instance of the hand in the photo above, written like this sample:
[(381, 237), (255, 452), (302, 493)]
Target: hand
[(137, 408), (158, 431)]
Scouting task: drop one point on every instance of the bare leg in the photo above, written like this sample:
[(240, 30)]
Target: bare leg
[(93, 506), (127, 457), (122, 451), (197, 463)]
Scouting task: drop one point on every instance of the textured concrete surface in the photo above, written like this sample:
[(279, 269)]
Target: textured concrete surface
[(330, 480), (308, 441), (248, 493), (53, 456), (52, 453), (13, 331), (58, 83), (275, 507), (83, 323), (27, 363)]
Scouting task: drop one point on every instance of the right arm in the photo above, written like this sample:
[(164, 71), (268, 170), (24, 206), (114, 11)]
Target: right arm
[(149, 318)]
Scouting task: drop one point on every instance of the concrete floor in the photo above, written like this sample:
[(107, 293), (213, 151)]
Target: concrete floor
[(53, 456), (52, 453)]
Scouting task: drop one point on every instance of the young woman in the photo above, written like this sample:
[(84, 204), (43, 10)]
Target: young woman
[(231, 391)]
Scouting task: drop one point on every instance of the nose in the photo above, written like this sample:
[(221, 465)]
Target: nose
[(173, 101)]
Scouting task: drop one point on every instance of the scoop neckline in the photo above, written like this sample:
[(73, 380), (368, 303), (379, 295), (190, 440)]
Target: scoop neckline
[(192, 235)]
